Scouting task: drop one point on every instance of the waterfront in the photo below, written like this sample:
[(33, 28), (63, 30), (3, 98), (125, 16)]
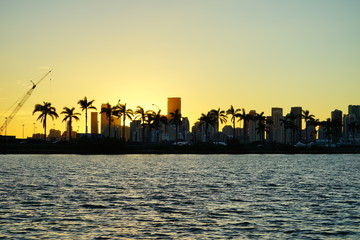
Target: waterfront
[(180, 196)]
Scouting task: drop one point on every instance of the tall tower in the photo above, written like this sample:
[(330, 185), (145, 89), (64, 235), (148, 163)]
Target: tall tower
[(277, 130), (173, 104), (297, 111), (94, 123), (336, 118), (354, 112)]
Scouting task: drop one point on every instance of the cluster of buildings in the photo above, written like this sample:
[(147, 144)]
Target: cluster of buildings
[(274, 131), (135, 133)]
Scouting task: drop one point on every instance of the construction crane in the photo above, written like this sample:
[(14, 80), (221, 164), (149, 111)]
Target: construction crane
[(20, 103)]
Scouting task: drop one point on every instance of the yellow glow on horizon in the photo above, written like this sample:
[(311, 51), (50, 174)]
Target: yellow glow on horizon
[(250, 55)]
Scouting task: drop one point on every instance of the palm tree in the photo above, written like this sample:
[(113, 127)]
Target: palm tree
[(176, 119), (307, 117), (234, 114), (70, 115), (260, 118), (285, 122), (158, 119), (219, 117), (292, 118), (140, 113), (328, 125), (246, 117), (85, 105), (207, 119), (149, 120), (109, 112), (45, 110), (269, 123), (126, 113), (315, 123)]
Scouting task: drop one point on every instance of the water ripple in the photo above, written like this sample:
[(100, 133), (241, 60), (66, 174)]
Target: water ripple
[(180, 197)]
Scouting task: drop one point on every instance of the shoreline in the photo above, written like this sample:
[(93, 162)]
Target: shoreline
[(118, 149)]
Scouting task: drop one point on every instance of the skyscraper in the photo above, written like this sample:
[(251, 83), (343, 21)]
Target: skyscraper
[(336, 118), (296, 112), (277, 130), (174, 103), (354, 112), (94, 123), (253, 136)]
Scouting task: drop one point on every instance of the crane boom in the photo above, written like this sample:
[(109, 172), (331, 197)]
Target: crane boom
[(21, 103)]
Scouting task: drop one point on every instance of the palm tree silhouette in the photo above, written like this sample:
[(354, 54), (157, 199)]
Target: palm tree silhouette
[(269, 123), (176, 119), (207, 119), (328, 126), (149, 122), (307, 117), (45, 110), (85, 105), (219, 117), (157, 120), (70, 115), (246, 117), (286, 124), (234, 114), (315, 122), (292, 117), (109, 112), (260, 129), (126, 113), (140, 113)]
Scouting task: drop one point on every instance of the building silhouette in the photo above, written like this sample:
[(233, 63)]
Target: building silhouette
[(173, 104), (252, 125), (104, 124), (277, 130), (296, 112), (337, 122), (94, 127)]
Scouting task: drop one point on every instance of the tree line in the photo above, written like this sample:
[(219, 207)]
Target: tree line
[(150, 119)]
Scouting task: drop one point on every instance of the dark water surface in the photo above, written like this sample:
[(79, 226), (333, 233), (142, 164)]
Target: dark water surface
[(180, 197)]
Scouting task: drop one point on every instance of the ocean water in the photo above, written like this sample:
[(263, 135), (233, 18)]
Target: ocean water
[(180, 197)]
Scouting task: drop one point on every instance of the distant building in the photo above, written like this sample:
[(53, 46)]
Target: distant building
[(228, 130), (94, 123), (54, 134), (136, 131), (104, 124), (38, 136), (276, 130), (174, 103), (354, 115), (354, 112), (336, 119), (297, 112), (346, 133), (252, 125), (198, 135)]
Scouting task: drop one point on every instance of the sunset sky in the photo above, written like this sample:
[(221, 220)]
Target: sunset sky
[(213, 54)]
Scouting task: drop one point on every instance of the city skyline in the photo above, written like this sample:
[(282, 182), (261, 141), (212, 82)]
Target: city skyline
[(252, 55), (277, 113)]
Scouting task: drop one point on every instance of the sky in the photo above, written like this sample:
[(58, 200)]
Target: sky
[(250, 54)]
